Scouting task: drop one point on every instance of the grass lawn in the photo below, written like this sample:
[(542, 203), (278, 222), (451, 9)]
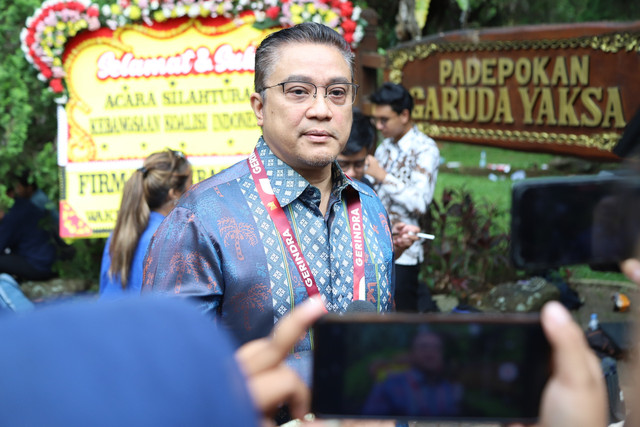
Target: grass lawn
[(498, 192), (469, 155)]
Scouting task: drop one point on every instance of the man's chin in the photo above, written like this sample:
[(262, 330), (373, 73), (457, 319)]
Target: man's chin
[(319, 162), (318, 159)]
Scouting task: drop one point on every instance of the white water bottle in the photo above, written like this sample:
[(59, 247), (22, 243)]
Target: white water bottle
[(593, 322), (483, 159)]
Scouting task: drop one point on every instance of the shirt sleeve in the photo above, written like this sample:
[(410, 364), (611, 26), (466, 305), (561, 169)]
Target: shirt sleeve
[(415, 191), (184, 260)]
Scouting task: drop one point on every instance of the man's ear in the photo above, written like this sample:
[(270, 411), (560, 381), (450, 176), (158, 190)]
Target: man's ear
[(257, 104), (405, 116)]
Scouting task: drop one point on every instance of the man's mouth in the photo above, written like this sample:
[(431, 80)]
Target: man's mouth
[(318, 135)]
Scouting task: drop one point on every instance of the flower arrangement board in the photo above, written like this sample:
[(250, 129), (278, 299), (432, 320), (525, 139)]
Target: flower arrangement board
[(139, 76)]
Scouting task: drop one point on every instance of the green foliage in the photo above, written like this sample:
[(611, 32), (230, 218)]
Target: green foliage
[(85, 263), (451, 15), (27, 110), (28, 129), (469, 253)]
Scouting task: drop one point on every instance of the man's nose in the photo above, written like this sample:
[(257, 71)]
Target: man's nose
[(320, 106)]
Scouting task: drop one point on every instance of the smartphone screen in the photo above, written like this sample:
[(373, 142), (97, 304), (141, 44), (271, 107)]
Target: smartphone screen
[(574, 220), (429, 367)]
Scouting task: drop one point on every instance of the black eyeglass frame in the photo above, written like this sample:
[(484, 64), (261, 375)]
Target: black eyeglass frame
[(354, 87)]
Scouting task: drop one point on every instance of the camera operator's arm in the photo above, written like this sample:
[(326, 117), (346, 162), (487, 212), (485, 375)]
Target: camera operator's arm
[(575, 394)]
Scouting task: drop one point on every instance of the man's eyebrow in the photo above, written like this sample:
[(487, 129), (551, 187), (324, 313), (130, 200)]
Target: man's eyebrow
[(302, 78)]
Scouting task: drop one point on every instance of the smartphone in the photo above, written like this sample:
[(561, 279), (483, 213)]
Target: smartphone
[(463, 367), (560, 221)]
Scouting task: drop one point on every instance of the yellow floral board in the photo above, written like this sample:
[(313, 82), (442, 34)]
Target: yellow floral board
[(139, 89), (183, 84), (93, 192)]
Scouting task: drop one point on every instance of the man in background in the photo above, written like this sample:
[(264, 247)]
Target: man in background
[(354, 161), (354, 158), (405, 169)]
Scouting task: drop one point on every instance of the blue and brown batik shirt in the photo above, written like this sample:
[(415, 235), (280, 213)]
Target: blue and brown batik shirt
[(220, 247)]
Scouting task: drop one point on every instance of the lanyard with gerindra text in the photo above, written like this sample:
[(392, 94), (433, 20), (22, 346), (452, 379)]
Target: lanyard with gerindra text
[(279, 218)]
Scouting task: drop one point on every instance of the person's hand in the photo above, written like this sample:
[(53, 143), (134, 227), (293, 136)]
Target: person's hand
[(271, 383), (374, 170), (403, 236), (631, 269), (575, 394)]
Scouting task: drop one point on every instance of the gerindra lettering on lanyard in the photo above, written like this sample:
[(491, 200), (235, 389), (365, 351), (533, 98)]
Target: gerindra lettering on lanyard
[(279, 218), (298, 258)]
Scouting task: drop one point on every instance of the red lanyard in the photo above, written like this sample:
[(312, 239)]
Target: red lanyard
[(354, 209)]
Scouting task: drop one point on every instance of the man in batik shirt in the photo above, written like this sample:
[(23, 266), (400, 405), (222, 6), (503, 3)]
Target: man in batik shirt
[(257, 239), (405, 169)]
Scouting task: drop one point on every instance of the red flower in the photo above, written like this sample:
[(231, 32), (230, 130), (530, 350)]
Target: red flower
[(273, 12), (348, 26), (93, 11), (348, 37), (46, 72), (56, 85), (335, 4), (346, 9), (75, 6)]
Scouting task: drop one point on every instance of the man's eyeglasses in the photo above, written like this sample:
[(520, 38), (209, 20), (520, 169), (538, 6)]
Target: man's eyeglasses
[(357, 164), (301, 92)]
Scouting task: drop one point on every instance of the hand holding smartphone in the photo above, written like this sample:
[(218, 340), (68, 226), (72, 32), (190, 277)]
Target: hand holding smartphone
[(429, 367), (562, 221)]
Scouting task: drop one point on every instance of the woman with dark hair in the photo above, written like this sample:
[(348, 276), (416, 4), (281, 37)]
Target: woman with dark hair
[(148, 196)]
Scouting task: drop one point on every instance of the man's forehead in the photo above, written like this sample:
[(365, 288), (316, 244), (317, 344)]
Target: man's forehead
[(306, 54), (357, 156), (381, 110)]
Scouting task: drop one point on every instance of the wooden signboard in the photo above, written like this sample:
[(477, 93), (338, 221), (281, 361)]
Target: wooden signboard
[(566, 89)]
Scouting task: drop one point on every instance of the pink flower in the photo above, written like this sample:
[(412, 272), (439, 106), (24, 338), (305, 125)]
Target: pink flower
[(93, 24), (57, 72)]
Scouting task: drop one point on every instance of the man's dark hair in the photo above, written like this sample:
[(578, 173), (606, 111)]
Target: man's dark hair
[(362, 134), (395, 96), (267, 54)]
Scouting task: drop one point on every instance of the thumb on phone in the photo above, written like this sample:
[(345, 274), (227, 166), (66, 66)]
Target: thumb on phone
[(575, 395)]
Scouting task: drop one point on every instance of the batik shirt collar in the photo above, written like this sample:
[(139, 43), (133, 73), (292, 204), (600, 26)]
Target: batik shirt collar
[(288, 185)]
